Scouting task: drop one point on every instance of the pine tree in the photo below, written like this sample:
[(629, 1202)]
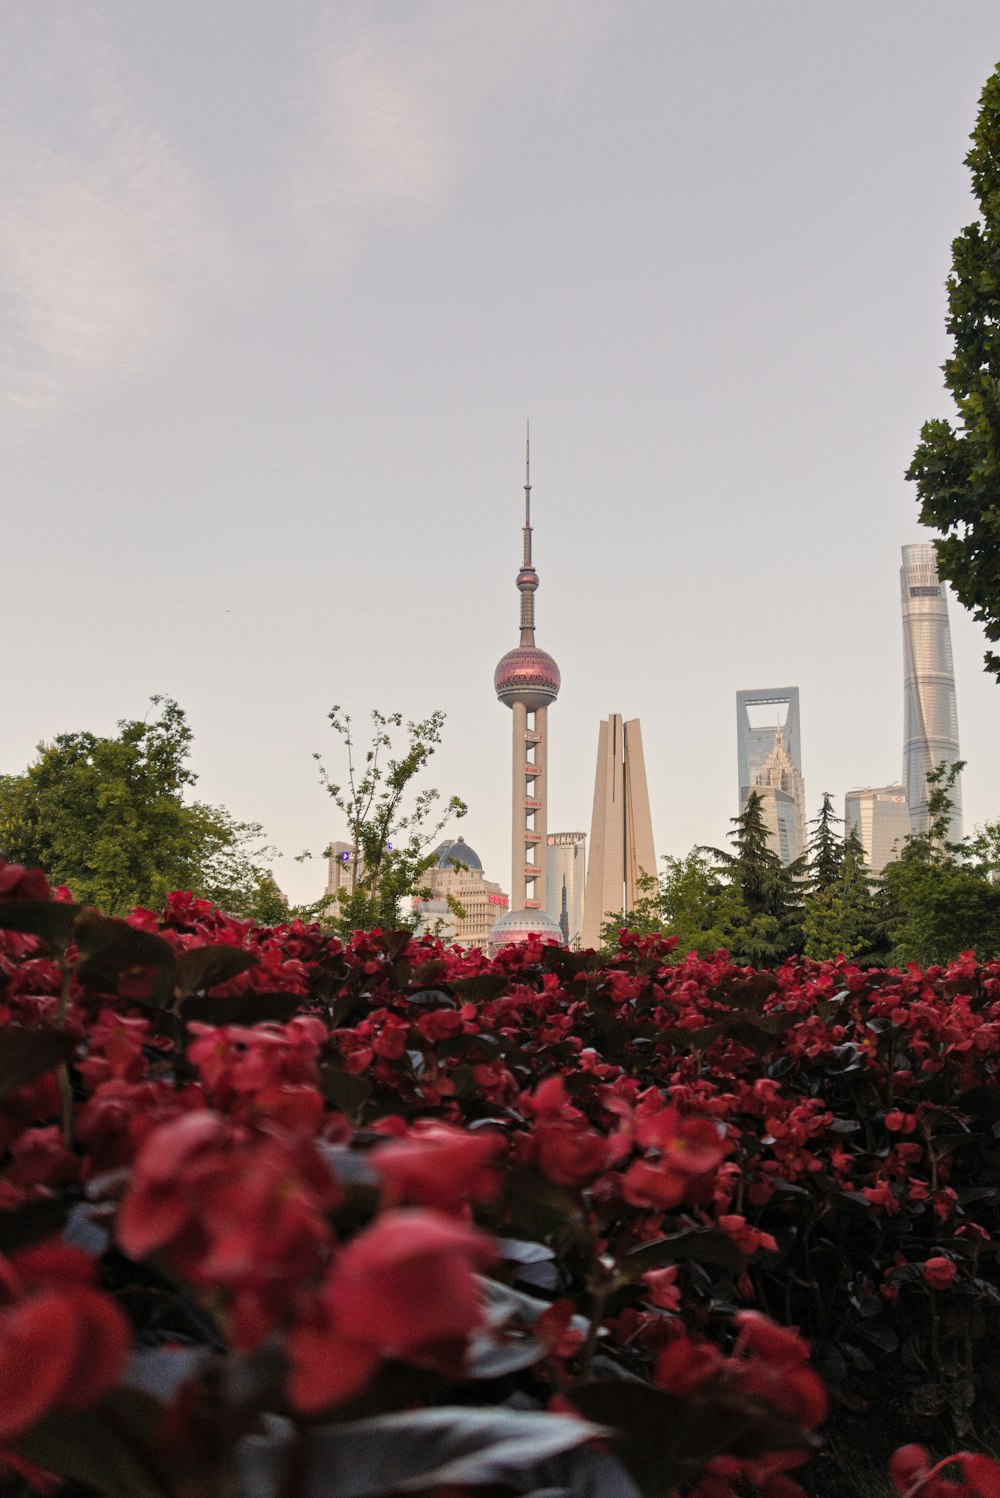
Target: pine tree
[(764, 918), (826, 848)]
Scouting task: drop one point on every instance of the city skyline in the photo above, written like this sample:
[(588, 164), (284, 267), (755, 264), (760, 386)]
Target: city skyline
[(280, 287)]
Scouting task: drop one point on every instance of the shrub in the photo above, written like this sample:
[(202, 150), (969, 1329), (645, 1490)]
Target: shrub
[(358, 1217)]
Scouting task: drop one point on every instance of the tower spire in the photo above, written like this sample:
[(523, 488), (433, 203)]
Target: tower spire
[(527, 495), (527, 578)]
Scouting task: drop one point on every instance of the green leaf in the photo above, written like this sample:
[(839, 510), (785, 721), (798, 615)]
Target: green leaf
[(662, 1438), (202, 968), (699, 1245), (344, 1091), (26, 1054), (240, 1008), (50, 919), (482, 986), (31, 1223), (86, 1447), (410, 1452), (107, 946)]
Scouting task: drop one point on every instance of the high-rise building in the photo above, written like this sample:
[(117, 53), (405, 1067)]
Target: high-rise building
[(770, 762), (930, 715), (340, 869), (565, 880), (527, 680), (463, 905), (621, 832), (880, 817)]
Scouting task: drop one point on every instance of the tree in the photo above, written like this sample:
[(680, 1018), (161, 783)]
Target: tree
[(842, 917), (826, 848), (941, 896), (688, 901), (107, 816), (764, 911), (390, 843), (957, 468)]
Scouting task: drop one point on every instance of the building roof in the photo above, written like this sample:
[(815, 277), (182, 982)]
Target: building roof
[(456, 850)]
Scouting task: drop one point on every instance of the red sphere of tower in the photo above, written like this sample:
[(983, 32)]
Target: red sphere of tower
[(529, 675)]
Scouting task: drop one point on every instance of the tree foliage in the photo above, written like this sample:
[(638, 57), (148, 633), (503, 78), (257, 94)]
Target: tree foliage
[(390, 834), (956, 467), (826, 848), (107, 816), (842, 918), (764, 904)]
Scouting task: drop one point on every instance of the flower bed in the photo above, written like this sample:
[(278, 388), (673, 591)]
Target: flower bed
[(281, 1215)]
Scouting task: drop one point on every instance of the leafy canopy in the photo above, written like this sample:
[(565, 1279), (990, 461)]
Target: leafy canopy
[(107, 816), (956, 468), (389, 833)]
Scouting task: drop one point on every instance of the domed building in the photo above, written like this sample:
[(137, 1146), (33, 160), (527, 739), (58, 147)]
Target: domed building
[(527, 681), (456, 882), (518, 926)]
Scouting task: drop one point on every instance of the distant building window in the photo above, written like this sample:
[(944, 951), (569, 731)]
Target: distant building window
[(926, 592)]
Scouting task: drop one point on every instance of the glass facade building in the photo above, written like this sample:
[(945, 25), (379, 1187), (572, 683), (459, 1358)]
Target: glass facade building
[(930, 714), (770, 762), (881, 819), (566, 881)]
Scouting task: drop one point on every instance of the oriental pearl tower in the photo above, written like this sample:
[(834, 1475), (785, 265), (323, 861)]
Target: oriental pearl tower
[(527, 680)]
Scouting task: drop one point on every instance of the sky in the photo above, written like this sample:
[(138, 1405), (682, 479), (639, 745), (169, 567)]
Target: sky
[(280, 285)]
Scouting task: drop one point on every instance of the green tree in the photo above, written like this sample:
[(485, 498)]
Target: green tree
[(764, 909), (956, 468), (107, 816), (941, 896), (826, 848), (389, 826), (688, 901), (842, 917)]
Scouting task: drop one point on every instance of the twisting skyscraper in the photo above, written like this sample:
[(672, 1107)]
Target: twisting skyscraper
[(930, 716), (527, 680)]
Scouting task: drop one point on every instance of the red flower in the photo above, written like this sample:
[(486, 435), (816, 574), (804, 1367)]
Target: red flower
[(939, 1272), (232, 1211), (438, 1166), (403, 1288), (569, 1155), (17, 883), (662, 1288), (62, 1343)]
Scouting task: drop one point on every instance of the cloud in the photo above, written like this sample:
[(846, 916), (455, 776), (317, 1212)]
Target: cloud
[(399, 100), (106, 247)]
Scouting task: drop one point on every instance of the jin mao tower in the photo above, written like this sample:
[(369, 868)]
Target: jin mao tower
[(527, 680)]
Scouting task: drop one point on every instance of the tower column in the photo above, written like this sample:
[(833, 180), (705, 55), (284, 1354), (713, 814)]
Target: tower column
[(518, 792), (541, 847)]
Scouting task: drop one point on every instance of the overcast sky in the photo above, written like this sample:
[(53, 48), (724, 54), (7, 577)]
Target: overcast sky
[(279, 284)]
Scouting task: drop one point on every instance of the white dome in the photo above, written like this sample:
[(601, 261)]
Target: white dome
[(518, 925)]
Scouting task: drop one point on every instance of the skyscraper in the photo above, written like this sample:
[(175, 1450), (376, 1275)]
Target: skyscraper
[(621, 832), (880, 817), (770, 763), (930, 715), (527, 680), (565, 881)]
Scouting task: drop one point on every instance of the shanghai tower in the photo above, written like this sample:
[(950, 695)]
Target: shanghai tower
[(930, 717)]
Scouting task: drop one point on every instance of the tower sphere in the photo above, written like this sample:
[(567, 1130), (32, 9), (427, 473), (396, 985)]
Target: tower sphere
[(529, 675)]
